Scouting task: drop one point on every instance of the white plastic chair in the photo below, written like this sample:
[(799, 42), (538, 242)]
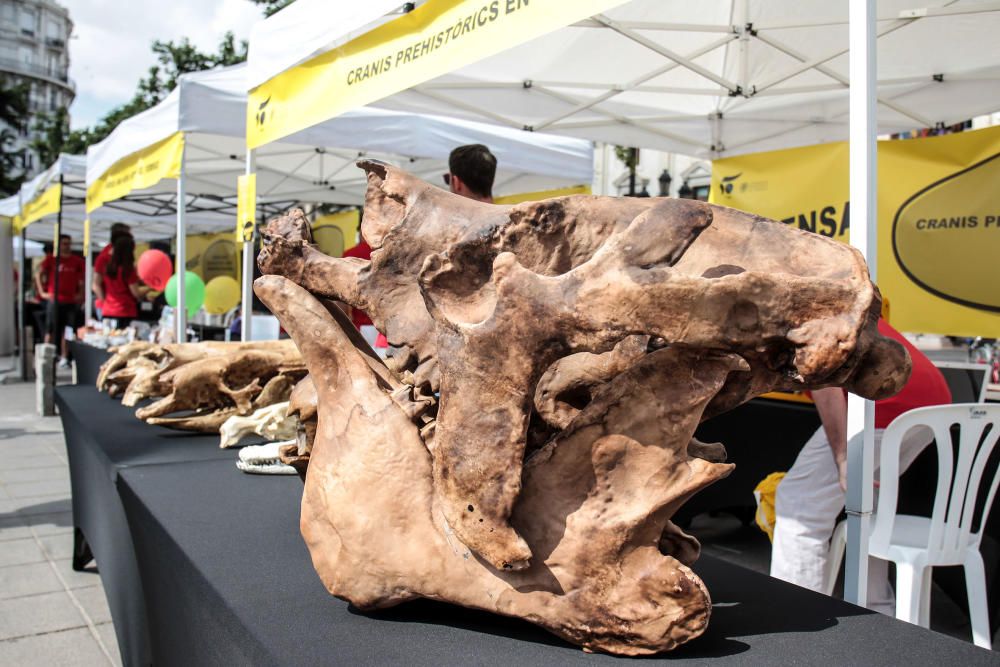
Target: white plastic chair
[(917, 544)]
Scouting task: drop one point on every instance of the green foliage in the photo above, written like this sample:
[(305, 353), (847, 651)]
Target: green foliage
[(629, 156), (272, 6), (14, 113)]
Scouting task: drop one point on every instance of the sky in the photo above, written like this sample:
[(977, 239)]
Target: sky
[(110, 48)]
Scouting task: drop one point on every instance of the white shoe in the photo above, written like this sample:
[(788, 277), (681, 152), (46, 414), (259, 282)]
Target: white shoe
[(63, 362)]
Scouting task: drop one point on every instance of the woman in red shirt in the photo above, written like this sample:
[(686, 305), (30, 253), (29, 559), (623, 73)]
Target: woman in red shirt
[(121, 284)]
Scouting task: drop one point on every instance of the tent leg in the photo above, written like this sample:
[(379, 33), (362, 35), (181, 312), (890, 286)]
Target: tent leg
[(861, 413), (23, 344), (246, 309), (88, 276), (180, 262)]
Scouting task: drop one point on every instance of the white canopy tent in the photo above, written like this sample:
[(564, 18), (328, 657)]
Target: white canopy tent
[(315, 165), (713, 78), (710, 78)]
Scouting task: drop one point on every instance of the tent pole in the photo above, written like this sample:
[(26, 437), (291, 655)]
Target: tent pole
[(22, 343), (54, 307), (88, 273), (861, 413), (180, 263), (246, 311)]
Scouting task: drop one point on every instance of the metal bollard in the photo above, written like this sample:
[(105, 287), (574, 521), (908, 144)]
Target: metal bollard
[(45, 366)]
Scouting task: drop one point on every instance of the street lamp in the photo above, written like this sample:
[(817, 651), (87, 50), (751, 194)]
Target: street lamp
[(685, 191), (665, 180)]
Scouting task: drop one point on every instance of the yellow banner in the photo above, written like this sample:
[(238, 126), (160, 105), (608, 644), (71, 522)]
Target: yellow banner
[(336, 232), (47, 203), (436, 38), (246, 207), (542, 194), (142, 169), (938, 219)]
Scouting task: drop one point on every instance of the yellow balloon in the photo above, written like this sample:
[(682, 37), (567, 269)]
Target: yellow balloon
[(222, 293)]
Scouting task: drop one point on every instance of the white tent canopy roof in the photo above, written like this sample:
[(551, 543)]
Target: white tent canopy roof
[(316, 165), (150, 217), (709, 78)]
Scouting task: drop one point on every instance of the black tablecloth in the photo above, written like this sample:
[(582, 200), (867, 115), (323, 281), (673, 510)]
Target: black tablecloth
[(103, 437), (229, 581), (88, 360)]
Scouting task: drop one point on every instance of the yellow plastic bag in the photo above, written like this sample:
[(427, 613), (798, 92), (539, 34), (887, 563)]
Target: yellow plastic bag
[(764, 495)]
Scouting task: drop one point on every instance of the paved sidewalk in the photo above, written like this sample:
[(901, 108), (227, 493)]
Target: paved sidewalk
[(49, 614)]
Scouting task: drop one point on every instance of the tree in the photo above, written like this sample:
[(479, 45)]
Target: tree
[(13, 114), (272, 6)]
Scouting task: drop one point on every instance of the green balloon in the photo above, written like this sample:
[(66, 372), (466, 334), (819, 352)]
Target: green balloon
[(194, 292)]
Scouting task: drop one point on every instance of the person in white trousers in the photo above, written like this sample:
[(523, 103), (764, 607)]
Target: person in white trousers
[(811, 496)]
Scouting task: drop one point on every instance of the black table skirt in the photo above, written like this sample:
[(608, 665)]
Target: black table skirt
[(103, 437), (88, 360), (229, 581)]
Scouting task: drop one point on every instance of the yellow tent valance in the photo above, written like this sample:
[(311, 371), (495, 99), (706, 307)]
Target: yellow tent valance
[(432, 40), (139, 170), (47, 203), (543, 194)]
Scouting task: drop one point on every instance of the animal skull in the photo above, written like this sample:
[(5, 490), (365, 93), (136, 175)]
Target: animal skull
[(271, 423), (217, 387), (707, 306)]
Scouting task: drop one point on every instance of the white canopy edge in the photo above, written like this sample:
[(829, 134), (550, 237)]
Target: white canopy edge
[(316, 165)]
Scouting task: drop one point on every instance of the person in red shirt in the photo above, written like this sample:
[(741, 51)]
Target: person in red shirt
[(120, 287), (64, 306), (101, 263), (362, 251), (811, 496)]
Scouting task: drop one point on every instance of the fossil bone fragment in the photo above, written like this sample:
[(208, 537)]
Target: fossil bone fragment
[(271, 423), (707, 306)]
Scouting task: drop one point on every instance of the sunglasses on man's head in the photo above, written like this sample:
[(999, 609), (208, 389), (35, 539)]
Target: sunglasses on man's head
[(447, 179)]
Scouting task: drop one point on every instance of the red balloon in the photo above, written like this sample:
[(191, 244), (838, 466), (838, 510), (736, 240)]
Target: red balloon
[(154, 269)]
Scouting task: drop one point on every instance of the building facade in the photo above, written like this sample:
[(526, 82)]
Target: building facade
[(34, 48)]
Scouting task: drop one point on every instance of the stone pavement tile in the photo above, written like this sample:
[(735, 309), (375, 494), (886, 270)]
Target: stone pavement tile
[(31, 579), (44, 460), (20, 552), (74, 579), (68, 648), (13, 527), (94, 602), (38, 488), (57, 546), (8, 476), (38, 613), (56, 523), (110, 640)]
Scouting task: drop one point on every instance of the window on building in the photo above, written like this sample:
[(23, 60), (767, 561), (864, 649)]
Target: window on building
[(29, 19), (8, 14), (27, 55), (53, 29)]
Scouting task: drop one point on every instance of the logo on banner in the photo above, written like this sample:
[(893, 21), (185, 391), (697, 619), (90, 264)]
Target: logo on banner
[(262, 112), (727, 182), (944, 235)]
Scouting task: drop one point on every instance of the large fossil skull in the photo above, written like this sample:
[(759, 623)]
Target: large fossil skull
[(494, 306), (218, 386)]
